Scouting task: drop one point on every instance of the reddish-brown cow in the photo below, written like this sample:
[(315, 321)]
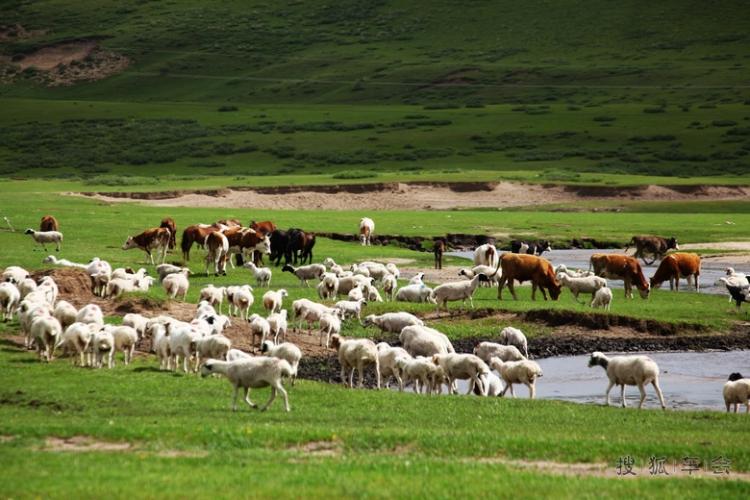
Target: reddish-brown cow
[(49, 223), (676, 266), (621, 267), (195, 234), (521, 267), (156, 238)]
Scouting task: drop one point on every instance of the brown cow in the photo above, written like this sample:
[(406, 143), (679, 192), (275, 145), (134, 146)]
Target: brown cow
[(621, 267), (168, 222), (217, 251), (439, 249), (195, 234), (656, 246), (676, 266), (156, 238), (49, 223), (521, 267), (265, 227), (244, 241)]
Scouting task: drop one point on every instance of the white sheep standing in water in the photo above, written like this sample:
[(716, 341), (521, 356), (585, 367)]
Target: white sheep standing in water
[(629, 370)]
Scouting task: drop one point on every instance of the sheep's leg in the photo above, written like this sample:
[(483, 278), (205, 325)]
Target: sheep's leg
[(532, 389), (247, 398), (360, 374), (622, 396), (512, 392), (351, 377), (643, 395), (234, 399), (343, 374), (609, 388), (655, 383), (280, 388)]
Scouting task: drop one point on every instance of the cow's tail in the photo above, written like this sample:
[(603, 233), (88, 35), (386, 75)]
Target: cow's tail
[(497, 268)]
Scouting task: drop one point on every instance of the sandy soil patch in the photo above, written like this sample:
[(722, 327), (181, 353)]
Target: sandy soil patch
[(319, 448), (82, 444), (48, 58)]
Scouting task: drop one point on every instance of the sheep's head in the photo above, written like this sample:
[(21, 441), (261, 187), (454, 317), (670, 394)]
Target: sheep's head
[(287, 268), (369, 320), (207, 368), (266, 346), (29, 231), (598, 359), (496, 363), (482, 278), (729, 271), (283, 293), (735, 376), (335, 341)]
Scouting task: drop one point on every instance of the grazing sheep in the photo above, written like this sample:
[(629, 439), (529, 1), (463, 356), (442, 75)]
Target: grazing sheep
[(356, 353), (262, 274), (252, 373), (304, 273), (160, 344), (328, 286), (390, 284), (213, 346), (348, 283), (25, 287), (76, 338), (517, 372), (366, 228), (415, 293), (29, 311), (273, 300), (43, 237), (375, 270), (330, 324), (488, 350), (46, 332), (163, 270), (463, 367), (736, 392), (278, 323), (214, 295), (286, 351), (629, 370), (424, 341), (493, 384), (242, 301), (351, 308), (486, 255), (457, 290), (421, 372), (602, 298), (335, 268), (102, 347), (310, 312), (90, 313), (577, 286), (515, 337), (125, 340), (126, 274), (360, 270), (65, 313), (183, 343), (237, 355), (356, 293), (417, 279), (177, 284), (388, 357), (492, 277), (393, 270), (10, 298), (15, 274), (259, 327), (392, 322)]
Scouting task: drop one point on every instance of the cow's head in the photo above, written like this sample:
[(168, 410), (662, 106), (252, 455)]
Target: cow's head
[(554, 290), (264, 246), (543, 246), (672, 243), (129, 243), (644, 291)]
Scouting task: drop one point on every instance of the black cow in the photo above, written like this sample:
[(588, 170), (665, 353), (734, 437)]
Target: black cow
[(533, 248)]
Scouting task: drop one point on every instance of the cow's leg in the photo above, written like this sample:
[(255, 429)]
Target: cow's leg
[(695, 277), (512, 288), (500, 285), (533, 291)]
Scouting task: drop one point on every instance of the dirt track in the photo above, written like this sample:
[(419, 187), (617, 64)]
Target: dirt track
[(418, 196)]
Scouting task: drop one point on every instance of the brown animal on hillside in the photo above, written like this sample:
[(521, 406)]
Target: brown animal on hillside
[(49, 223), (439, 249), (195, 234), (168, 222), (522, 267), (245, 242), (156, 238), (621, 267), (655, 246), (265, 227), (675, 266), (217, 251)]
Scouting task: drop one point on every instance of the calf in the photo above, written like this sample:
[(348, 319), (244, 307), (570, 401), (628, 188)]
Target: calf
[(522, 268), (676, 266), (656, 246), (621, 267), (156, 238)]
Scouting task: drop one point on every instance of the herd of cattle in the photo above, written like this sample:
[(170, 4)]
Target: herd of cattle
[(425, 358)]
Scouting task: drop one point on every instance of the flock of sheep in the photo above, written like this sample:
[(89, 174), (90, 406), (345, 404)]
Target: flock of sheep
[(425, 358)]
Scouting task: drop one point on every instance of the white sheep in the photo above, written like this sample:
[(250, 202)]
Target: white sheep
[(457, 290), (43, 237), (183, 343), (123, 273), (328, 286), (15, 274), (102, 347), (118, 286), (356, 353), (463, 367), (252, 373), (125, 340), (90, 313), (304, 273), (213, 346), (286, 351), (390, 285), (577, 286), (278, 323), (388, 357), (515, 337), (28, 311), (629, 370), (214, 295), (492, 277), (273, 300), (177, 284), (517, 372), (26, 286), (330, 324), (736, 392), (259, 327), (392, 322), (393, 270), (360, 270), (488, 350), (493, 384), (46, 332), (351, 308), (417, 279), (375, 270), (424, 341), (356, 293), (99, 284), (310, 312), (262, 274), (76, 338), (241, 301), (371, 294), (421, 372), (136, 321), (237, 355), (578, 273), (65, 313), (335, 268), (48, 287), (10, 298), (51, 259), (346, 284), (415, 293), (602, 298), (164, 270), (160, 343)]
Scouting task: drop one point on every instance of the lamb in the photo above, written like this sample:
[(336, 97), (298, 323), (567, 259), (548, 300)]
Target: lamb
[(242, 301), (335, 268), (163, 270), (160, 344), (492, 277), (390, 284), (15, 274), (10, 298), (237, 355), (43, 237), (99, 282), (736, 392), (65, 313), (602, 298), (278, 323), (421, 372), (46, 332), (125, 340), (515, 337), (589, 284), (392, 322), (183, 342), (375, 270), (629, 370), (213, 346), (273, 300), (310, 312), (517, 372), (286, 351), (356, 293), (351, 308), (457, 290), (90, 313), (262, 274), (415, 293), (356, 353), (388, 357), (77, 338), (417, 279), (348, 283), (493, 385), (252, 373), (177, 284), (578, 273), (371, 294), (118, 286), (328, 286), (463, 367), (304, 273), (97, 266), (125, 274), (102, 347), (424, 341), (488, 350), (51, 259), (213, 295), (259, 327), (330, 324)]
